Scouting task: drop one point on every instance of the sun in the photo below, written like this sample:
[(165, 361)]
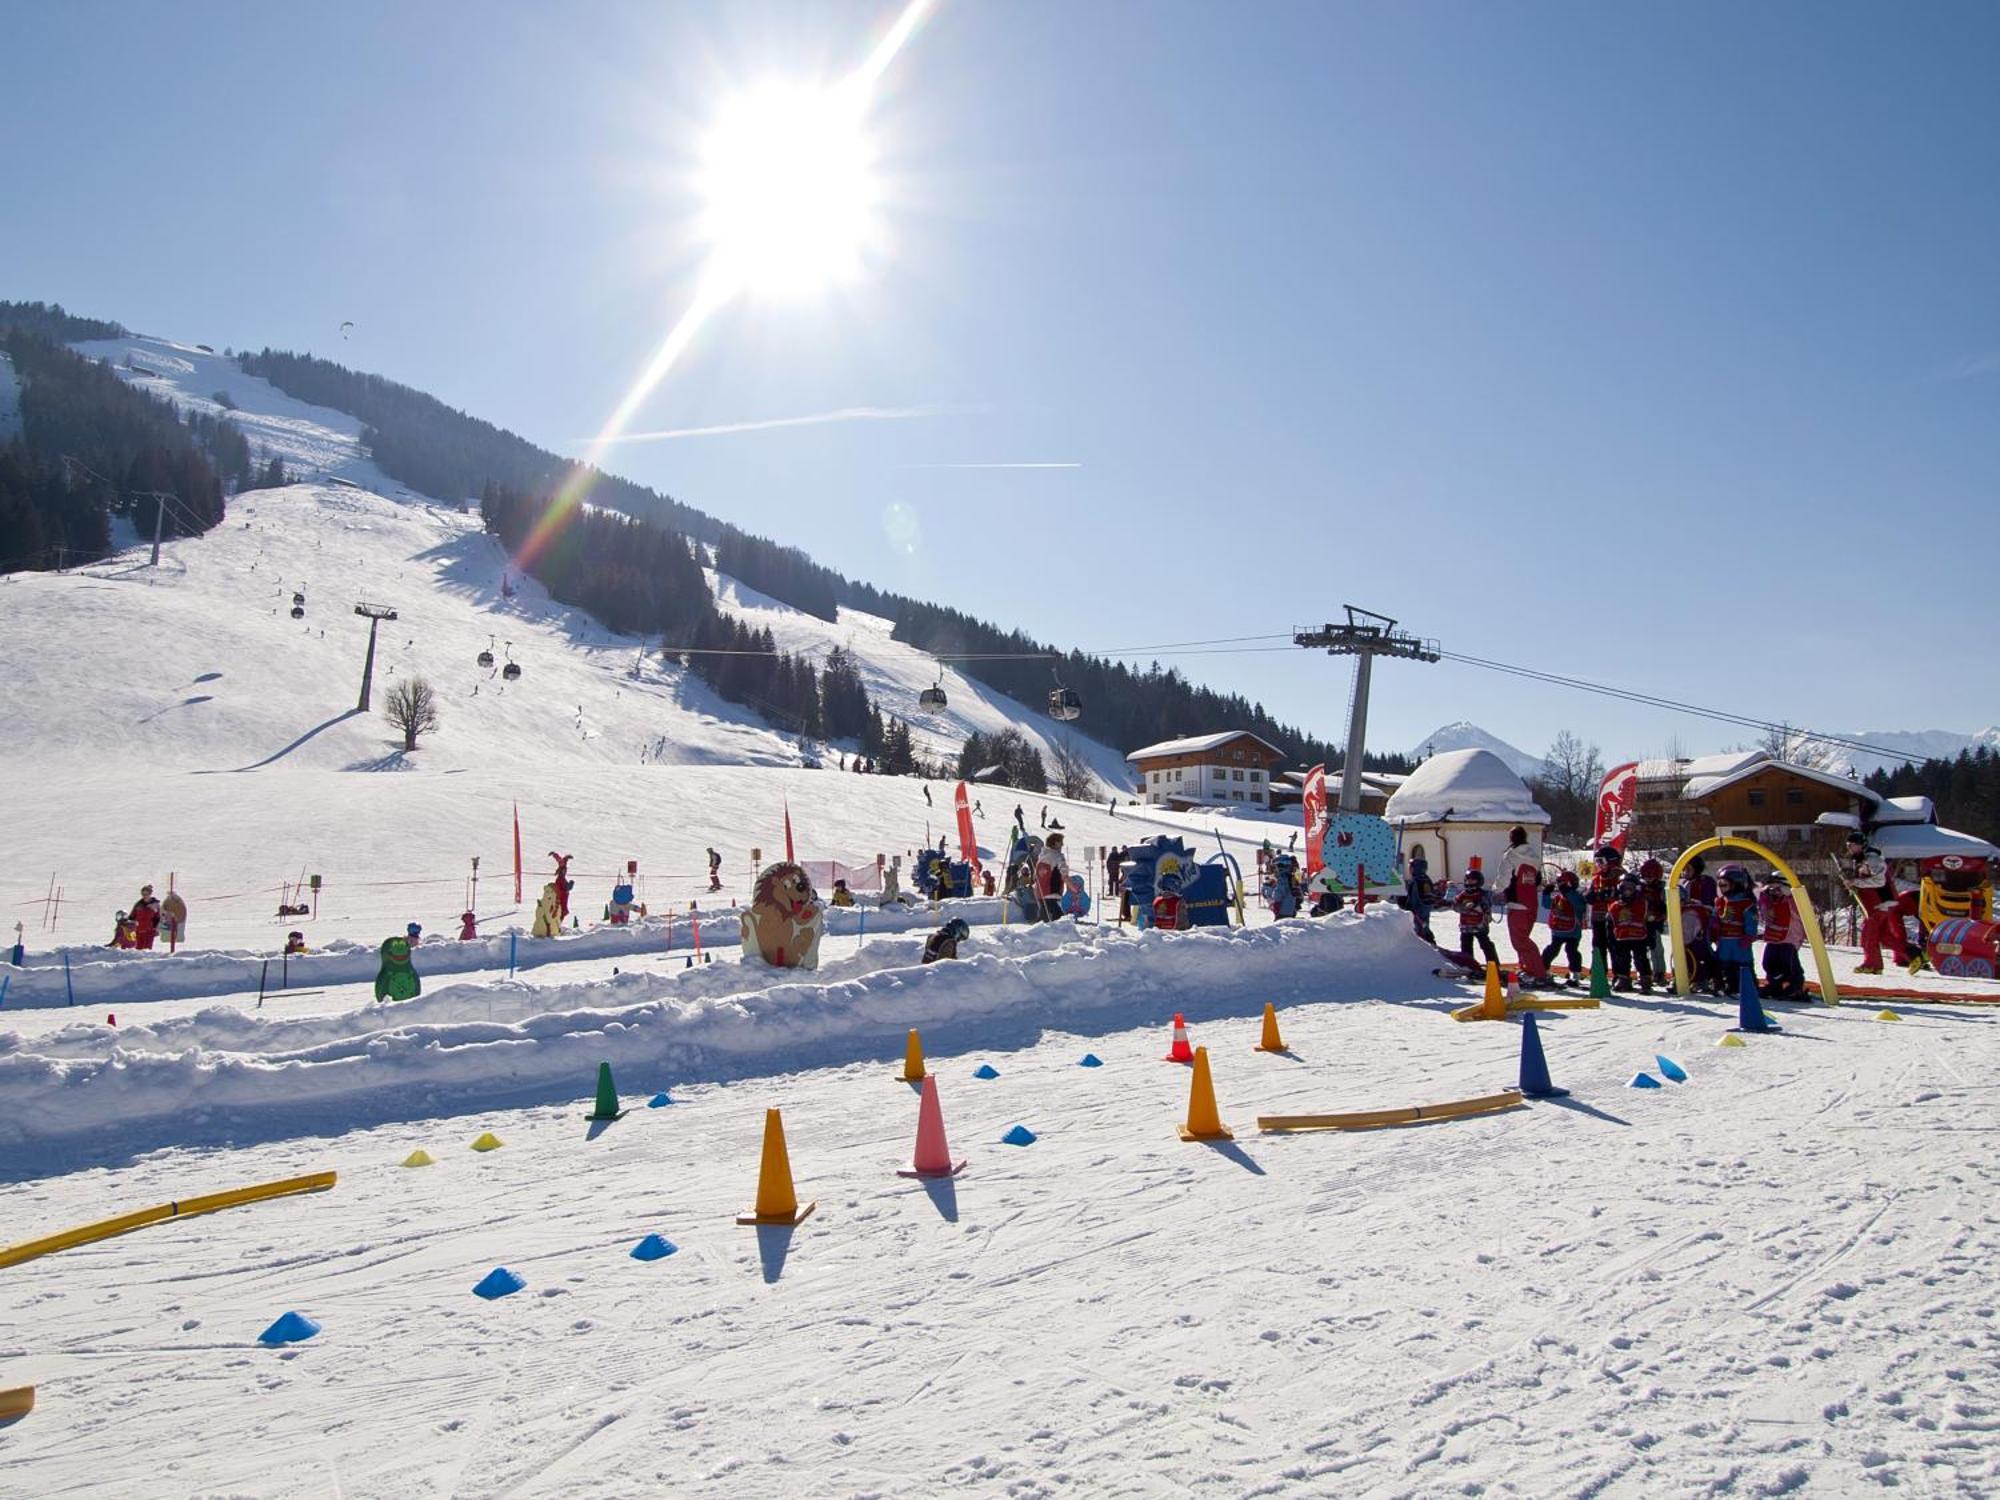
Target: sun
[(788, 182)]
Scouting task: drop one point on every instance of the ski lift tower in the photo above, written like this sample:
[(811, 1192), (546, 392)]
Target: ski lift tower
[(1365, 636), (374, 614)]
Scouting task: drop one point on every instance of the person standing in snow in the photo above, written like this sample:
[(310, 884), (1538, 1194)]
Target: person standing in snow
[(1568, 912), (1112, 807), (1627, 919), (1419, 896), (1051, 876), (1866, 873), (714, 871), (1604, 891), (1474, 905), (1521, 877), (1735, 927), (1697, 921), (927, 795), (1020, 817), (145, 918), (1784, 929), (1653, 881), (1045, 815)]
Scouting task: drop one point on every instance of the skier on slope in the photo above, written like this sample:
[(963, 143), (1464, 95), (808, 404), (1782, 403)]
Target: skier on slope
[(145, 918), (927, 795), (1653, 881), (1051, 876), (1419, 896), (1735, 927), (1474, 905), (1627, 919), (1697, 917), (1603, 892), (1866, 873), (1521, 877), (1568, 912), (714, 871), (1784, 929)]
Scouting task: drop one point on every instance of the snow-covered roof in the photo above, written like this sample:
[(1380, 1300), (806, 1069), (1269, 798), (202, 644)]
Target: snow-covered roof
[(1906, 810), (1927, 841), (1707, 784), (1464, 786), (1195, 744)]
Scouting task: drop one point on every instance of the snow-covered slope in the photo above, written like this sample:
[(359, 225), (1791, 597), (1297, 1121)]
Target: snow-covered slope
[(1463, 735)]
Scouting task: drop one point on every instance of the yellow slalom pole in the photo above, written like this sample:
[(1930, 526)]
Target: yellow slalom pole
[(14, 1255)]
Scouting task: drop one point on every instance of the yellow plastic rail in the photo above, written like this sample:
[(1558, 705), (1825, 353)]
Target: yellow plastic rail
[(14, 1255)]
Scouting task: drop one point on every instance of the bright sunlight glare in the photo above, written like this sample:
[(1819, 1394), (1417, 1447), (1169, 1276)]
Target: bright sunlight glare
[(789, 189)]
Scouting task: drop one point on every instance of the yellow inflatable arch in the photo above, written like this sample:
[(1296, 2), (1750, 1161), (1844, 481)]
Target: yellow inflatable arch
[(1682, 983)]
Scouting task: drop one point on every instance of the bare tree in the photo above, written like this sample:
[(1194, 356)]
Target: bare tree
[(1069, 770), (1567, 787), (412, 708), (1797, 747)]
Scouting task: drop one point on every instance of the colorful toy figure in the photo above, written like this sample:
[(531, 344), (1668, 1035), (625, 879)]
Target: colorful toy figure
[(785, 919), (122, 933), (548, 912), (468, 926), (1955, 906), (396, 980), (1075, 899)]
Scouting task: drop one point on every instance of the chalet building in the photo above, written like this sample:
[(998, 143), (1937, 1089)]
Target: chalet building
[(1228, 769), (1743, 794), (1288, 789)]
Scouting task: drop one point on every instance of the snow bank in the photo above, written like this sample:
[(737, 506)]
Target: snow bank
[(142, 1090), (1465, 786)]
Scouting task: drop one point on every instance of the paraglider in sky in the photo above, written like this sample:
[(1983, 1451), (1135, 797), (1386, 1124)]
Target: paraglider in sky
[(345, 326)]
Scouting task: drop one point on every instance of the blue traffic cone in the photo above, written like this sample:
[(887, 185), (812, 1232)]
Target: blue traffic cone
[(1644, 1081), (498, 1282), (654, 1247), (290, 1329), (1020, 1135), (1749, 1009), (986, 1070), (1090, 1060), (1669, 1069), (1535, 1082), (659, 1100)]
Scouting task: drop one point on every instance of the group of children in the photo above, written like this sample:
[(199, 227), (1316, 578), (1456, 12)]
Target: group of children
[(1625, 912)]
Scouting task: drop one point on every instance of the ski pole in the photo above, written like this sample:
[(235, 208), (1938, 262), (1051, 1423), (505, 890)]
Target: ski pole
[(68, 988)]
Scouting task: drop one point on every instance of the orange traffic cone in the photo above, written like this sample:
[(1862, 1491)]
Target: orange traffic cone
[(777, 1199), (1272, 1041), (1181, 1052), (933, 1157), (1494, 1006), (1203, 1122), (913, 1059)]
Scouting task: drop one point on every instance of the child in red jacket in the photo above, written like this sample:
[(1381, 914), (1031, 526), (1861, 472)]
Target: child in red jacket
[(1568, 911), (1474, 906), (1784, 930)]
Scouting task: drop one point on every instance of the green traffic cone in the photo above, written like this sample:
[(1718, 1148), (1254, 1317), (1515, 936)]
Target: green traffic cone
[(1600, 980), (607, 1096)]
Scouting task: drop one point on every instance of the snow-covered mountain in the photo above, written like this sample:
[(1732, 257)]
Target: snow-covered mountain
[(1468, 736), (1901, 744)]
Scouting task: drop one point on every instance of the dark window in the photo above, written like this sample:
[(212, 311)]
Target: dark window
[(1757, 798), (1795, 796)]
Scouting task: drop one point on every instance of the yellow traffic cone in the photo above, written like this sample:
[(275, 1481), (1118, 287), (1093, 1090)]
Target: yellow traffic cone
[(913, 1059), (1494, 1006), (1887, 1015), (418, 1158), (1203, 1121), (777, 1199), (487, 1141), (1272, 1041)]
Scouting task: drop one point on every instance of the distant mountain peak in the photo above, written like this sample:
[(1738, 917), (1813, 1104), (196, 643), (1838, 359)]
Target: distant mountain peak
[(1463, 734)]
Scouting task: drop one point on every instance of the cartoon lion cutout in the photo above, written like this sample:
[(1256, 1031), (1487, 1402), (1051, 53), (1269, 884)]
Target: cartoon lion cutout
[(785, 920)]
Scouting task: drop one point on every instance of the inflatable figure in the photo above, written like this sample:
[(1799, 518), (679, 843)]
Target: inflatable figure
[(548, 912), (1075, 899), (785, 920), (1281, 885), (468, 926), (618, 912), (396, 980), (174, 918)]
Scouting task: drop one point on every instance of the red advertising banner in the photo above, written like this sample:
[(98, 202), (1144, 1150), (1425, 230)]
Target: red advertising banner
[(968, 846), (1615, 798), (1314, 808)]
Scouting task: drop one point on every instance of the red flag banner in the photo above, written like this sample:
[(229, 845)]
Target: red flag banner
[(788, 833), (1314, 808), (517, 854), (1615, 798), (968, 846)]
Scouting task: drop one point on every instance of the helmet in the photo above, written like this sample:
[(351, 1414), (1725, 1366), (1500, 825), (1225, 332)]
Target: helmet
[(1856, 836), (1628, 884), (1776, 880), (1651, 870), (1608, 854), (1566, 880), (1734, 875), (1475, 879), (415, 929), (956, 930)]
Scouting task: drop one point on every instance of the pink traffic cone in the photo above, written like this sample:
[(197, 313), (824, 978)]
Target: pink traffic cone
[(933, 1154)]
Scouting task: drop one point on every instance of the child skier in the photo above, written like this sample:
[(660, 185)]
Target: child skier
[(1697, 913), (1603, 892), (842, 896), (1474, 905), (714, 871), (1784, 929), (1653, 881), (943, 943), (1051, 875), (1419, 896), (145, 918), (1169, 910), (1627, 919), (1735, 928), (1568, 911), (123, 934)]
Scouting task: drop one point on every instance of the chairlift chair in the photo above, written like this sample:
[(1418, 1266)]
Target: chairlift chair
[(933, 697), (298, 606), (512, 671), (486, 656), (1064, 704)]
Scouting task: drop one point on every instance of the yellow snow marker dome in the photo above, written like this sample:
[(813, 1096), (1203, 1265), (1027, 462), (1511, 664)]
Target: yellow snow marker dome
[(487, 1141), (420, 1158)]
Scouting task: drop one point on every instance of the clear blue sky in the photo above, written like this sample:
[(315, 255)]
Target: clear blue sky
[(1658, 344)]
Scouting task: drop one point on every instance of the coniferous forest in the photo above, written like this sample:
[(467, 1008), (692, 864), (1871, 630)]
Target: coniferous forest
[(1965, 789)]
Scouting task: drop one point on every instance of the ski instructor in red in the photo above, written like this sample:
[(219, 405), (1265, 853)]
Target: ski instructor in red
[(1521, 874)]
